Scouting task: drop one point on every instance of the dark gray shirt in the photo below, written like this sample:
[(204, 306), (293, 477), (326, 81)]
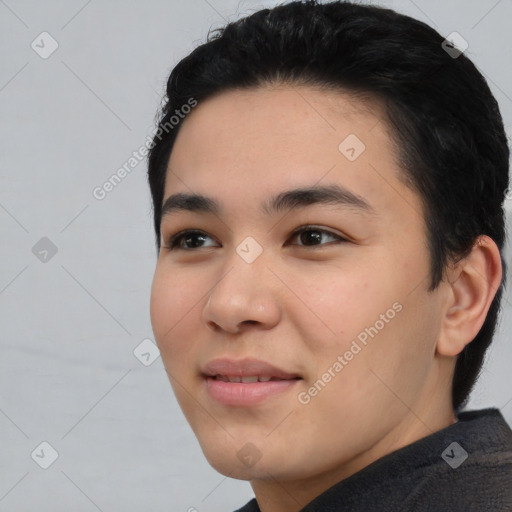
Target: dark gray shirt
[(465, 467)]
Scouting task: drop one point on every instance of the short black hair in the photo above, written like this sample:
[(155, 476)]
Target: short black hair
[(451, 144)]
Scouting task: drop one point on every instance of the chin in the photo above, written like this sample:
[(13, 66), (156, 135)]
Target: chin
[(246, 463), (237, 459), (232, 467)]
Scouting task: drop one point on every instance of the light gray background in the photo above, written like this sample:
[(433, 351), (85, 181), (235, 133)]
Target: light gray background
[(69, 326)]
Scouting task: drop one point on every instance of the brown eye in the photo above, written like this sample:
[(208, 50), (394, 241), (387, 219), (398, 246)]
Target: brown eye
[(188, 240), (311, 236)]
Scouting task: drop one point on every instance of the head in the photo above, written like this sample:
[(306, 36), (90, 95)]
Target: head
[(310, 95)]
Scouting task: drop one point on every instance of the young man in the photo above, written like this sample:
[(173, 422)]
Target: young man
[(328, 182)]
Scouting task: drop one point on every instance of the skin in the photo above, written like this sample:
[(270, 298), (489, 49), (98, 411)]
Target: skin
[(300, 304)]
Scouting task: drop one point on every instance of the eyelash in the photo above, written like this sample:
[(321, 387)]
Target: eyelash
[(173, 243)]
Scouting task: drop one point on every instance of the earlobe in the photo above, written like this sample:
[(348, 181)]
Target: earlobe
[(473, 283)]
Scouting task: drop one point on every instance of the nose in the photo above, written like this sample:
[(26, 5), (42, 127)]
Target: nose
[(246, 295)]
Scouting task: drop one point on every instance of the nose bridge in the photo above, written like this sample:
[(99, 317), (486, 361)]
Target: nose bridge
[(244, 292), (245, 267)]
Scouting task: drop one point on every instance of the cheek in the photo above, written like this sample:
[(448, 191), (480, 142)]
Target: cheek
[(337, 304), (172, 305), (162, 304), (367, 315)]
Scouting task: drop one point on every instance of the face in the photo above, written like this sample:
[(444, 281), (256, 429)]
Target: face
[(333, 293)]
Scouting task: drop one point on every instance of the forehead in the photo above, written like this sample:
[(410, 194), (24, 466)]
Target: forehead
[(281, 118), (243, 146)]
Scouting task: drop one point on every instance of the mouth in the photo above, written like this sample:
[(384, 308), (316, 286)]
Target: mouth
[(246, 382), (248, 379)]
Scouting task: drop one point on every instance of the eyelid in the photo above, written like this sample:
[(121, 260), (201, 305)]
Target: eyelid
[(313, 227), (173, 239)]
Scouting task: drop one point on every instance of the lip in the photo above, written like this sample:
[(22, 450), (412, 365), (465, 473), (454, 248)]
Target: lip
[(244, 368), (243, 394)]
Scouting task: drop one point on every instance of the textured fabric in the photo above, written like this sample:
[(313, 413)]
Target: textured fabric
[(432, 474)]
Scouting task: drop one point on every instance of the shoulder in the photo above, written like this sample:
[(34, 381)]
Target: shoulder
[(476, 471)]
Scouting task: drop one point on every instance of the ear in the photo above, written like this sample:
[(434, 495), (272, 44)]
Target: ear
[(472, 285)]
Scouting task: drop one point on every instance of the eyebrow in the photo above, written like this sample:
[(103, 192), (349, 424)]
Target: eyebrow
[(285, 201)]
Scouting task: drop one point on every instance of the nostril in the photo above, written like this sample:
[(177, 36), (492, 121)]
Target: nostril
[(213, 326)]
